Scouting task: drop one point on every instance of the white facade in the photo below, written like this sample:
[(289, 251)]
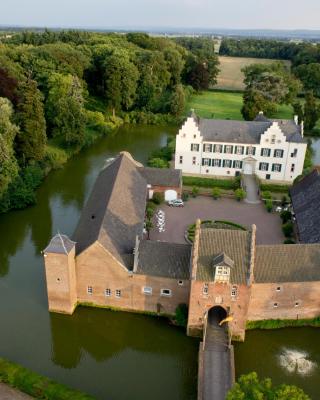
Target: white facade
[(274, 158)]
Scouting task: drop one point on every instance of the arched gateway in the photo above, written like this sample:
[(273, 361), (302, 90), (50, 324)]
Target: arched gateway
[(215, 315)]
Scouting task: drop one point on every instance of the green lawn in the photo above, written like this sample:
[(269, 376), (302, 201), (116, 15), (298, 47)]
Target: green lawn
[(225, 105)]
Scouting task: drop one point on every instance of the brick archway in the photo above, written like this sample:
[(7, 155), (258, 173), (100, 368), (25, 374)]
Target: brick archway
[(216, 314)]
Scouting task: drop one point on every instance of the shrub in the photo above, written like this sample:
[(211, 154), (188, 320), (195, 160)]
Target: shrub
[(216, 193), (240, 194), (195, 191), (269, 205), (228, 184), (158, 198), (287, 229), (236, 183), (55, 157), (185, 196), (289, 241), (285, 216), (158, 163), (231, 224), (284, 200), (266, 195), (181, 316), (149, 212), (272, 187)]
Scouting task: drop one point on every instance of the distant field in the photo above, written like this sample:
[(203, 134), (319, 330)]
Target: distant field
[(225, 105), (231, 77)]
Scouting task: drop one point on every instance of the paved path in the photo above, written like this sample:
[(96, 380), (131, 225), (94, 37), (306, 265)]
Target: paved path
[(7, 393), (252, 189), (217, 374), (178, 219)]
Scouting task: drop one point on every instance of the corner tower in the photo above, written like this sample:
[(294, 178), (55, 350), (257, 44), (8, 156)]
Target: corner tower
[(59, 259)]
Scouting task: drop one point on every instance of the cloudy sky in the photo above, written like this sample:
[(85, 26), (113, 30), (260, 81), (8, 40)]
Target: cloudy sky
[(247, 14)]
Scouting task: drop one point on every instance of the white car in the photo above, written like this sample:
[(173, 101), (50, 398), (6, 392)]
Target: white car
[(176, 203)]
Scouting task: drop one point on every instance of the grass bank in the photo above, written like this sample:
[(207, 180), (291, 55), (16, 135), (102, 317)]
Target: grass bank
[(37, 385), (282, 323)]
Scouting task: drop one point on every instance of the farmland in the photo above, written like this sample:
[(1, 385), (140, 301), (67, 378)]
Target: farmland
[(231, 77)]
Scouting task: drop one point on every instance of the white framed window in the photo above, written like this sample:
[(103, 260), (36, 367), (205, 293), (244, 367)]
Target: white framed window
[(276, 167), (251, 151), (294, 153), (107, 292), (228, 149), (216, 163), (205, 289), (194, 136), (180, 283), (227, 163), (234, 291), (278, 289), (263, 166), (194, 160), (147, 290), (222, 274), (207, 148), (194, 147), (89, 289), (237, 164), (296, 304), (118, 293), (217, 148), (206, 162), (165, 292), (278, 153), (239, 150), (265, 152), (275, 305), (180, 159), (292, 167), (273, 139)]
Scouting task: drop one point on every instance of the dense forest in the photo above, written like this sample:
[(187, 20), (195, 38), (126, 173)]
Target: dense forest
[(60, 90)]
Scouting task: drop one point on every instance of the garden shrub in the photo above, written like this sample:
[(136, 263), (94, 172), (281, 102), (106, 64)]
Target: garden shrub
[(158, 163), (269, 205), (158, 198), (195, 191), (266, 195), (287, 229), (227, 184), (272, 187), (240, 194), (185, 196), (216, 193), (285, 216), (181, 316)]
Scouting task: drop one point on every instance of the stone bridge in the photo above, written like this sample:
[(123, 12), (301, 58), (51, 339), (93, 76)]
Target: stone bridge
[(216, 358)]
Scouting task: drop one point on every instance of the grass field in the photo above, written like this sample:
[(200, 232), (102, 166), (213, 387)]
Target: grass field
[(225, 105), (231, 77)]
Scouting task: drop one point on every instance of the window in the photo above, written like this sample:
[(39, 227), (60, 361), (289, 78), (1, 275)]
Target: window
[(107, 292), (118, 293), (275, 305), (265, 152), (227, 163), (294, 153), (237, 164), (296, 304), (276, 167), (165, 292), (180, 159), (217, 148), (195, 147), (216, 163), (194, 160), (228, 149), (207, 148), (278, 153), (278, 288), (194, 136), (58, 280), (234, 291), (205, 289), (147, 290), (263, 166), (251, 151), (273, 139), (206, 162), (89, 290), (292, 167), (239, 150), (222, 274), (180, 283)]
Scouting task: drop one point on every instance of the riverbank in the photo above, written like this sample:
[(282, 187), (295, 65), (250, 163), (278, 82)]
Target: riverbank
[(33, 384), (283, 323)]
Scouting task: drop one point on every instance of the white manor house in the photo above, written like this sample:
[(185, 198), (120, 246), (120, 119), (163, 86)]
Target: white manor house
[(272, 149)]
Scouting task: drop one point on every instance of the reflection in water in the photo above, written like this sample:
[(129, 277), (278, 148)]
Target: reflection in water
[(296, 361), (316, 151)]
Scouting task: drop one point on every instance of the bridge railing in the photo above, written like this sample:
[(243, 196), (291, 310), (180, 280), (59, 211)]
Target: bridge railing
[(205, 326)]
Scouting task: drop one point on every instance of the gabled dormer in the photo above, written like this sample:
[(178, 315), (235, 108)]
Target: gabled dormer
[(273, 135), (222, 265), (190, 129)]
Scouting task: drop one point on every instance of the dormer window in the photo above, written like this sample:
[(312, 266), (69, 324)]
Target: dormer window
[(222, 264), (222, 274)]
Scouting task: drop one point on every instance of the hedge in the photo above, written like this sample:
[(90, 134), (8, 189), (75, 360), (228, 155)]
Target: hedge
[(232, 224), (264, 187), (282, 323), (36, 385), (211, 183)]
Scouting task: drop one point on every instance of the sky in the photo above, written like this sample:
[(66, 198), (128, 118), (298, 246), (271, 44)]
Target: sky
[(231, 14)]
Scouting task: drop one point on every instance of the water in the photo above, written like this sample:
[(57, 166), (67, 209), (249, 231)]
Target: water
[(316, 148), (289, 355), (112, 355)]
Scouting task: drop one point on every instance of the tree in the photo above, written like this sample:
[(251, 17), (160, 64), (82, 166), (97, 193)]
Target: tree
[(8, 163), (309, 75), (31, 139), (65, 108), (311, 111), (177, 102), (250, 387), (158, 163)]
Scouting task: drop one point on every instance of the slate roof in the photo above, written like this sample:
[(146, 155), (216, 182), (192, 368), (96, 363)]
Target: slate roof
[(305, 197), (60, 244), (287, 263), (234, 243), (169, 260), (246, 132), (162, 176), (114, 213)]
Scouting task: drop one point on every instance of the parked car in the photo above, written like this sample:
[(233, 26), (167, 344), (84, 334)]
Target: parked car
[(176, 203)]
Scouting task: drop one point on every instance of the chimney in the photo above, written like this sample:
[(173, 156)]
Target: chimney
[(296, 119), (302, 128)]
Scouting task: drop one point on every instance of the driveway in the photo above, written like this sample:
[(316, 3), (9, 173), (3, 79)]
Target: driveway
[(178, 219)]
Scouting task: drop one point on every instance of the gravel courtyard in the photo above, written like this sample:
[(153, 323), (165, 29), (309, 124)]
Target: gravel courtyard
[(177, 219)]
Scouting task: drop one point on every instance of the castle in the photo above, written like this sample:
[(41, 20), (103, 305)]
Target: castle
[(109, 263), (271, 149)]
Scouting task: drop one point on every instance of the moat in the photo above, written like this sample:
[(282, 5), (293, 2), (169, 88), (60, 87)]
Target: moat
[(112, 355)]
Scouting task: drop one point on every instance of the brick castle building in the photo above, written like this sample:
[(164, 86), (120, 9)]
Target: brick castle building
[(109, 263)]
